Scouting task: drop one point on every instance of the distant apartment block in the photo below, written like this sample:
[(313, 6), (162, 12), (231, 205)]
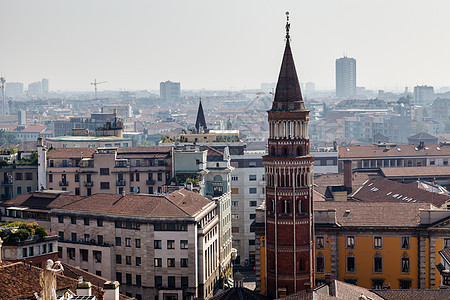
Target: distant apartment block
[(423, 95), (28, 133), (35, 89), (88, 171), (386, 155), (14, 89), (45, 89), (169, 90), (16, 180), (346, 77)]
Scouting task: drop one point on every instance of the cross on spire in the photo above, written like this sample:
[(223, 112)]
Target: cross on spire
[(288, 26)]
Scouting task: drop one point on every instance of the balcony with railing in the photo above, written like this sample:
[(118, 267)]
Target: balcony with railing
[(88, 183), (7, 182), (63, 183), (121, 182), (150, 182), (122, 163)]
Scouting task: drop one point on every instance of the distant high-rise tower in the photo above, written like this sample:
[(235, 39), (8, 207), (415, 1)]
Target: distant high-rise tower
[(14, 89), (169, 90), (346, 77), (423, 95), (44, 86), (289, 174), (35, 89)]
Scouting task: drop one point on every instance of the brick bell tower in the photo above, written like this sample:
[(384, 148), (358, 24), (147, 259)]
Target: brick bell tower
[(289, 177)]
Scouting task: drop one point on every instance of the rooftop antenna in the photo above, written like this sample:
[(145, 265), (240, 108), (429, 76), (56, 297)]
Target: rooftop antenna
[(5, 107), (95, 86)]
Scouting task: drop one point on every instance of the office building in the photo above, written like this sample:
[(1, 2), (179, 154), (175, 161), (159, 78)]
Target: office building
[(14, 89), (346, 77), (45, 89)]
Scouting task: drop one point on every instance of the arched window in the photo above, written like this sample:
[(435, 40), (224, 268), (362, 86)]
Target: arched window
[(285, 151), (299, 151), (299, 206)]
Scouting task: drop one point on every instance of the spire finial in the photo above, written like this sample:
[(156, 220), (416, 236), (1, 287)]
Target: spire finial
[(288, 26)]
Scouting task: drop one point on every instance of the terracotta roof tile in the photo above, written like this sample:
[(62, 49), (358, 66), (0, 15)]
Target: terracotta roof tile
[(416, 171), (182, 203), (414, 294), (321, 182), (383, 190), (374, 214), (28, 129)]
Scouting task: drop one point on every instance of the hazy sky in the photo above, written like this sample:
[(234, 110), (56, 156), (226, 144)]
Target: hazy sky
[(222, 44)]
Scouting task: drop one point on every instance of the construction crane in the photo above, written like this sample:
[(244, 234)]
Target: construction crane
[(5, 108), (95, 85)]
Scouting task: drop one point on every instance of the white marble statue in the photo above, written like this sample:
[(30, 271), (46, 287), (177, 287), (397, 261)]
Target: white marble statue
[(48, 280)]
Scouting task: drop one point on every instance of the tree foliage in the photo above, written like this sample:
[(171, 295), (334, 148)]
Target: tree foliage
[(21, 231)]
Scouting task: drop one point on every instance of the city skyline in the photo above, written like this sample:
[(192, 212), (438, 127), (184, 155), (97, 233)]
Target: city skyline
[(137, 45)]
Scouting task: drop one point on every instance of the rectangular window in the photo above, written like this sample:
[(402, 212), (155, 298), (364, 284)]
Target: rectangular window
[(138, 243), (128, 260), (170, 244), (252, 177), (235, 203), (138, 280), (77, 177), (71, 253), (77, 191), (50, 177), (252, 190), (138, 261), (320, 242), (60, 252), (320, 264), (100, 222), (98, 273), (87, 237), (74, 236), (24, 252), (171, 281), (28, 176), (127, 242), (251, 242), (86, 221), (159, 176), (60, 219), (19, 190), (253, 203), (405, 242), (377, 242), (184, 281), (19, 176), (97, 256), (61, 235), (184, 244), (350, 242), (157, 244), (405, 265), (138, 178), (158, 262), (351, 265), (104, 171), (50, 248), (158, 281), (234, 178), (171, 262), (377, 284), (184, 262), (252, 216), (84, 253), (118, 259), (119, 277), (118, 241), (405, 284), (104, 185), (100, 239), (378, 264), (73, 220)]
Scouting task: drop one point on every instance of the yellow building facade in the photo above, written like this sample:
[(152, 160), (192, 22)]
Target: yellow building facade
[(376, 245)]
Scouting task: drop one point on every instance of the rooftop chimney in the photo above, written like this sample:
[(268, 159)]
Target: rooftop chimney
[(111, 289), (84, 288), (348, 176)]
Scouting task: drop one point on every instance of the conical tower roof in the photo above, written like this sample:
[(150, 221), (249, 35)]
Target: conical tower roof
[(200, 123), (288, 95)]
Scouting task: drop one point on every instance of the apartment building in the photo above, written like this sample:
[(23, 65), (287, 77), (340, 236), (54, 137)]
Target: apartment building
[(247, 193), (157, 247), (209, 170), (375, 245), (88, 171), (387, 155), (16, 180)]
